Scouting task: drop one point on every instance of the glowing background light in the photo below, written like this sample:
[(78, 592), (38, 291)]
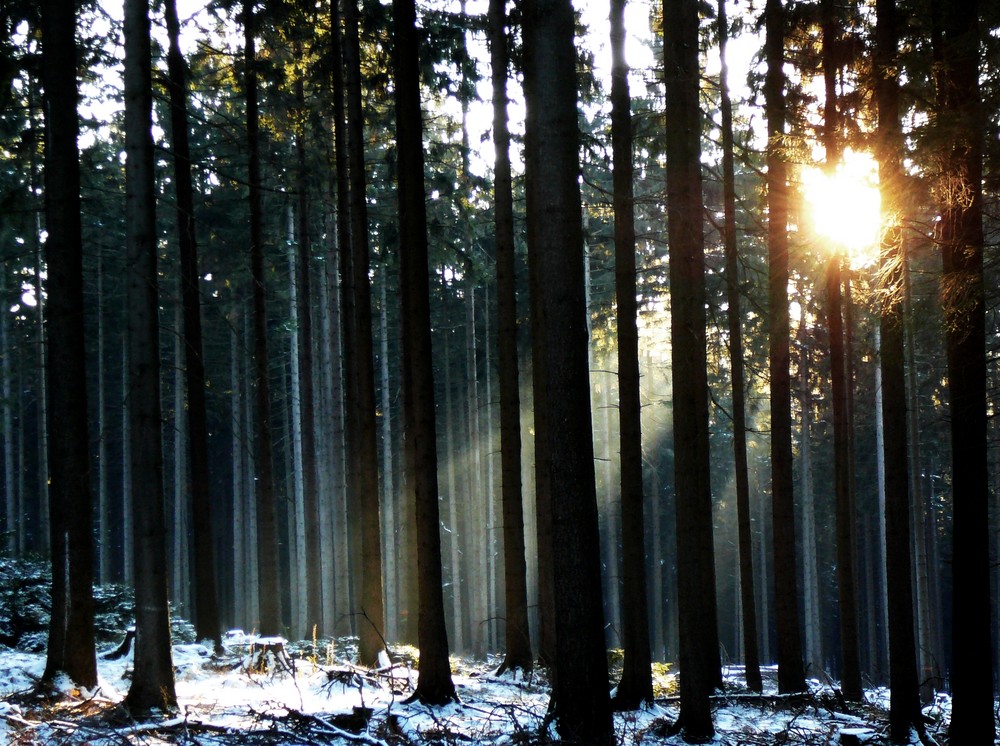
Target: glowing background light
[(845, 205)]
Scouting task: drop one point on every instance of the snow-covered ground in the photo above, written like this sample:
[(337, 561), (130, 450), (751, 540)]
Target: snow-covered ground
[(319, 697)]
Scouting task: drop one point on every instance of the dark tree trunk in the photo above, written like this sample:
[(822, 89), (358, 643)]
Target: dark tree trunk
[(961, 237), (791, 677), (434, 683), (304, 300), (360, 369), (206, 604), (904, 697), (700, 667), (266, 503), (342, 178), (850, 675), (71, 631), (153, 675), (580, 700), (636, 685), (751, 656), (516, 633)]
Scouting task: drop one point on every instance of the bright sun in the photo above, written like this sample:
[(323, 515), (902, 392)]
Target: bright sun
[(845, 206)]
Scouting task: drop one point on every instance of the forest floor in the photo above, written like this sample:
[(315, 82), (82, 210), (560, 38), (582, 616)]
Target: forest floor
[(307, 694)]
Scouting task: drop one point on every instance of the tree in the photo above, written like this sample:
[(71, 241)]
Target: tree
[(153, 675), (960, 233), (700, 668), (636, 685), (71, 628), (517, 635), (791, 677), (580, 700), (904, 698), (359, 370), (434, 683), (206, 605), (267, 518), (850, 679), (751, 656)]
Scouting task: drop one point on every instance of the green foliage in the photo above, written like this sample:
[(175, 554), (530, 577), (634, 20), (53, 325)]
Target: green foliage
[(25, 607)]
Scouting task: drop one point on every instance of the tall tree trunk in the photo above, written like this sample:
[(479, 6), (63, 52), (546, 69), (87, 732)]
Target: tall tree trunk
[(11, 495), (345, 288), (751, 654), (699, 655), (266, 513), (850, 675), (960, 232), (636, 685), (580, 698), (153, 676), (206, 611), (313, 588), (846, 579), (434, 682), (459, 609), (791, 677), (298, 517), (516, 632), (360, 372), (928, 651), (810, 574), (71, 631), (389, 513), (904, 698)]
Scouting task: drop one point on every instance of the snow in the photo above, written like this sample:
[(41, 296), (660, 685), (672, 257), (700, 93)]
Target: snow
[(305, 700)]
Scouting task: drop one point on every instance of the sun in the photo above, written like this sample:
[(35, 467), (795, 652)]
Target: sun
[(845, 205)]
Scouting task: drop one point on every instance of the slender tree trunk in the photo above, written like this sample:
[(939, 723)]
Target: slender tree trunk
[(71, 630), (266, 513), (751, 655), (791, 677), (153, 676), (904, 699), (459, 609), (434, 682), (345, 304), (241, 568), (388, 482), (810, 574), (960, 232), (928, 655), (361, 386), (516, 632), (307, 398), (297, 523), (206, 611), (699, 655), (12, 512), (636, 685)]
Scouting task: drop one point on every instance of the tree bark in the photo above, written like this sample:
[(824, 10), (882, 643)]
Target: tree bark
[(960, 232), (699, 655), (360, 370), (751, 654), (580, 700), (636, 685), (791, 677), (71, 631), (266, 514), (153, 676), (206, 611), (904, 697), (434, 682)]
